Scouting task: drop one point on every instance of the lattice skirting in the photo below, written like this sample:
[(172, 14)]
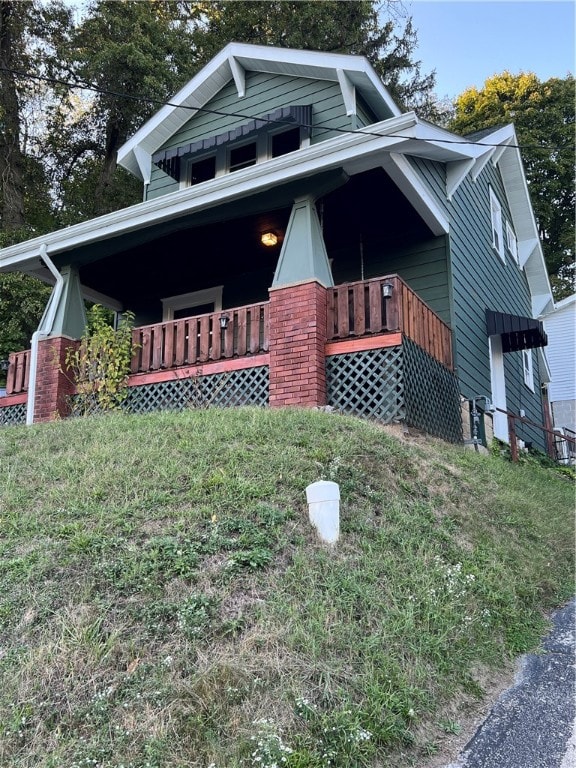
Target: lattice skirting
[(13, 415), (432, 395), (368, 383), (397, 384), (248, 386)]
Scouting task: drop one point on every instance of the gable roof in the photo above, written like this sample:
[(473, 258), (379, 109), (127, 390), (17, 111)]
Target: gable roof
[(353, 73)]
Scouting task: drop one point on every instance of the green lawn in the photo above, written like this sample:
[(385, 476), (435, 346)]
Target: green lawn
[(165, 602)]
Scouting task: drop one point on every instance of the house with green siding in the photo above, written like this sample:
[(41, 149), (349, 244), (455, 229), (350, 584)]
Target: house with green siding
[(303, 241)]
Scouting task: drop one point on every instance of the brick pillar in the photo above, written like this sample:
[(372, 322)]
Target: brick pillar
[(298, 327), (53, 385)]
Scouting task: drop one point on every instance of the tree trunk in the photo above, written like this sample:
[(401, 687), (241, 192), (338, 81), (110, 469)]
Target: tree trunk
[(11, 158)]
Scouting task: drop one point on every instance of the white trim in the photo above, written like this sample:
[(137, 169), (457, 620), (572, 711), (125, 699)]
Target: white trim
[(499, 151), (512, 242), (144, 160), (239, 75), (194, 299), (498, 386), (481, 162), (528, 369), (544, 366), (101, 298), (525, 250), (332, 153), (456, 172), (348, 92), (259, 58), (496, 224), (408, 181)]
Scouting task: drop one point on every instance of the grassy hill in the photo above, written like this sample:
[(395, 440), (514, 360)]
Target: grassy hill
[(165, 602)]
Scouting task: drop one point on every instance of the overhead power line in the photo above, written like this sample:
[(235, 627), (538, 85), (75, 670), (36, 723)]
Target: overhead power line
[(159, 102)]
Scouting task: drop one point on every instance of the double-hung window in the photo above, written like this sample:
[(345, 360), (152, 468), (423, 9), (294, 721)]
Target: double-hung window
[(511, 242), (528, 370), (496, 219)]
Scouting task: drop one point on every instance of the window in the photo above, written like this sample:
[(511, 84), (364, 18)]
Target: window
[(202, 170), (496, 217), (189, 304), (528, 370), (287, 141), (511, 242), (242, 157)]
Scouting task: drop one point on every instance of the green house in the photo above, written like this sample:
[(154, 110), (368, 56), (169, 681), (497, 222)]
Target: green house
[(302, 241)]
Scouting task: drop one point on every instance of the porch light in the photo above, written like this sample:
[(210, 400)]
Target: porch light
[(387, 289), (224, 320), (269, 238)]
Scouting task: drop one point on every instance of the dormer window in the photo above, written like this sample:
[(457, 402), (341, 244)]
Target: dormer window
[(202, 170), (242, 157), (262, 138), (284, 142)]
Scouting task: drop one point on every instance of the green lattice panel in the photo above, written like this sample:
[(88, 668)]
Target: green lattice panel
[(368, 383), (248, 386), (432, 395), (13, 415)]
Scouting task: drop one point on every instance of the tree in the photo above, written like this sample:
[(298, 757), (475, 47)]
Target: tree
[(137, 54), (353, 27), (29, 32), (543, 115), (22, 302)]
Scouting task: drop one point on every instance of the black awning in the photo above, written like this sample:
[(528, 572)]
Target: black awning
[(517, 332), (168, 160)]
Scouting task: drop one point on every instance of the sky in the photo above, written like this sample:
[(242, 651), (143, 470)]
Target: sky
[(467, 41)]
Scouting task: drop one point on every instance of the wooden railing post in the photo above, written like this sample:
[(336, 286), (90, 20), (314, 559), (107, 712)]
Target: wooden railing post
[(512, 437)]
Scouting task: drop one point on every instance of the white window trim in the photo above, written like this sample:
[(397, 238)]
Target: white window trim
[(496, 223), (528, 369), (195, 299), (512, 243), (222, 153)]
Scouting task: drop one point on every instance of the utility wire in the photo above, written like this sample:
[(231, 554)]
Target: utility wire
[(206, 110)]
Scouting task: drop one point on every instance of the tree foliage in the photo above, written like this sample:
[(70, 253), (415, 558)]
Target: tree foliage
[(543, 115), (59, 137), (22, 302)]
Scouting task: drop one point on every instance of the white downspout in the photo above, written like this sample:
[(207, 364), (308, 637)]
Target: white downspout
[(44, 330)]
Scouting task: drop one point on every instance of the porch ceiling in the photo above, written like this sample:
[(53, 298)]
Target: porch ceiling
[(223, 246)]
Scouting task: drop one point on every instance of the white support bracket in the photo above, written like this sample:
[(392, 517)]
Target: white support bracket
[(348, 92), (239, 75), (456, 172)]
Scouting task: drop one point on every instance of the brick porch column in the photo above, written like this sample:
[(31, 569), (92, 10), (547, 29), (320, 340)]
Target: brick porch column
[(53, 387), (298, 328)]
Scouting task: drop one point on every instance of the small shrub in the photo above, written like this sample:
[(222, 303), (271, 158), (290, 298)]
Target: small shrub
[(101, 364)]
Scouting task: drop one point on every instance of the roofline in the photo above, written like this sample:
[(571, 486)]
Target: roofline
[(327, 154), (522, 212), (226, 63)]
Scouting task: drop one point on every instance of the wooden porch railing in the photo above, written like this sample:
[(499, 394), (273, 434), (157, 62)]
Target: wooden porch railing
[(18, 371), (200, 339), (354, 310), (360, 309)]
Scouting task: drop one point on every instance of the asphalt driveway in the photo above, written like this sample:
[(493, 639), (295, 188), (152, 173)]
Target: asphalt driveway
[(533, 724)]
